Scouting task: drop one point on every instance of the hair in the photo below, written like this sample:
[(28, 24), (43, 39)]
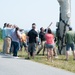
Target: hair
[(33, 25), (5, 25), (49, 31), (41, 28), (17, 28), (8, 25)]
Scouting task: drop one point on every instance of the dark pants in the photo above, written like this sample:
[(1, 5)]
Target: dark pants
[(23, 44), (15, 48), (31, 48), (41, 48)]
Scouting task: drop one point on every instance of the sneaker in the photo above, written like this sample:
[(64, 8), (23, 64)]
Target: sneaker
[(56, 56), (16, 57)]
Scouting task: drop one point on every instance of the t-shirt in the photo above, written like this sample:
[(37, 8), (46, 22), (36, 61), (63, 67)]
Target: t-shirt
[(23, 37), (70, 37), (14, 35), (42, 36), (49, 38), (32, 34)]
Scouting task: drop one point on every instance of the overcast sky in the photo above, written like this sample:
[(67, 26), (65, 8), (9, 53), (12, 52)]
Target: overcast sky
[(24, 12)]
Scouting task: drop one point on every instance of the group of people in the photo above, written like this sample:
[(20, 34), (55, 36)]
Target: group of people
[(14, 39), (11, 37)]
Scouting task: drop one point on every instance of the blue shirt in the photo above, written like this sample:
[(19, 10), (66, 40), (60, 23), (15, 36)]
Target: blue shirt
[(9, 32), (4, 33)]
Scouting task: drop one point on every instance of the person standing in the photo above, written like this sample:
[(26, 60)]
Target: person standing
[(8, 38), (49, 44), (42, 38), (70, 42), (23, 41), (16, 37), (33, 38), (4, 37)]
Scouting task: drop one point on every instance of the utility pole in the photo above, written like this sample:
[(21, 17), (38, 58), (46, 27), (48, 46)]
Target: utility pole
[(64, 23)]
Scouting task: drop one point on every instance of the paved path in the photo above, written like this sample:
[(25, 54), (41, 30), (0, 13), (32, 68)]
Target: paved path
[(12, 66)]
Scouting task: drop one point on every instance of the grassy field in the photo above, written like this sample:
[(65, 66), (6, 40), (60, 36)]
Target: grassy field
[(59, 63)]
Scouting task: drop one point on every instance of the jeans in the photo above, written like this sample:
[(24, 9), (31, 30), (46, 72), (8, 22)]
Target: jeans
[(15, 48)]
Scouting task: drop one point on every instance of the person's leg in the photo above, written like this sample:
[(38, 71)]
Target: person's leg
[(29, 50), (48, 53), (55, 52), (21, 45), (33, 55), (67, 51), (16, 48), (4, 43), (67, 55), (11, 48), (51, 53), (13, 44), (8, 45), (28, 55), (74, 54), (33, 50), (43, 47), (39, 49), (25, 46), (73, 49)]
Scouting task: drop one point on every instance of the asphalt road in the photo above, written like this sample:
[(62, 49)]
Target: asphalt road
[(13, 66)]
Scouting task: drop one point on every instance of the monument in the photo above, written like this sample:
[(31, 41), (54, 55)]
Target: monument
[(64, 23)]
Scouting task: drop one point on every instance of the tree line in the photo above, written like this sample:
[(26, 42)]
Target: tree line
[(0, 33)]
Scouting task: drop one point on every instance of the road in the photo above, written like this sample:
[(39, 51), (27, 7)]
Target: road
[(16, 66)]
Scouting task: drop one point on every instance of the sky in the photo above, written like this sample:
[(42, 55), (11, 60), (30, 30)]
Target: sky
[(25, 12)]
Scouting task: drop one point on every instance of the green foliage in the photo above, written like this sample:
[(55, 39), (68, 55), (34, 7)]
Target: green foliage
[(0, 33)]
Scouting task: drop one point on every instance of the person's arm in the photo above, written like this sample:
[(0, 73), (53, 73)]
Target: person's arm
[(27, 37), (36, 37), (19, 35), (74, 37)]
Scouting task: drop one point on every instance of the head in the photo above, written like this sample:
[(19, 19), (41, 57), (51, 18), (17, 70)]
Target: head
[(5, 25), (14, 26), (42, 29), (49, 31), (17, 28), (33, 26), (70, 28), (8, 25)]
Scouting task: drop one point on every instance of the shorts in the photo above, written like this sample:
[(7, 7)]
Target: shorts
[(49, 45), (71, 45), (23, 44), (31, 47)]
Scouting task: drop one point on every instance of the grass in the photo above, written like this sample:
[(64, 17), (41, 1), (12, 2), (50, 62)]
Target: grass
[(59, 63), (1, 45)]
